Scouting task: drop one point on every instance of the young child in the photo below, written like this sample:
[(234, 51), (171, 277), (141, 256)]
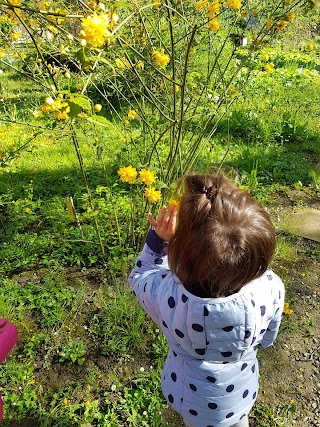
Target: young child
[(216, 303)]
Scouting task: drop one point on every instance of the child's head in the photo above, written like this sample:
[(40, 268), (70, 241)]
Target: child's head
[(223, 239)]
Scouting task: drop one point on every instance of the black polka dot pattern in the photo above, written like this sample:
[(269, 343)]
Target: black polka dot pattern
[(228, 328), (193, 387), (197, 327), (226, 353), (244, 366), (211, 379), (173, 376), (171, 302), (253, 303), (170, 398), (254, 395), (212, 405), (230, 388), (179, 333), (163, 276), (144, 288), (205, 311), (263, 310), (200, 351), (193, 412), (230, 415), (262, 331), (164, 324), (174, 353), (253, 369), (158, 261), (139, 263), (247, 334), (184, 298), (269, 276), (245, 394)]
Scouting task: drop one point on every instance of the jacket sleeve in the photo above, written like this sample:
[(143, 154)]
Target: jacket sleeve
[(150, 270), (272, 331)]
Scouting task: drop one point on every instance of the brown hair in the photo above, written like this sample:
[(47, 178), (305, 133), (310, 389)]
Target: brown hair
[(223, 239)]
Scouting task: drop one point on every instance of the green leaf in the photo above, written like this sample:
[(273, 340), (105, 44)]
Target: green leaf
[(82, 101), (99, 120)]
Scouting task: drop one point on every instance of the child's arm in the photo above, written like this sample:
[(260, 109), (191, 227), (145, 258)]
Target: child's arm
[(271, 333), (152, 264)]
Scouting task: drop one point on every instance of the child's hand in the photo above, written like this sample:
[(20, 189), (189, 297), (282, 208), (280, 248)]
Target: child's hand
[(165, 224)]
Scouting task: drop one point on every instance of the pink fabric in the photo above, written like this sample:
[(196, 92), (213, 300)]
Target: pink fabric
[(8, 338), (1, 410)]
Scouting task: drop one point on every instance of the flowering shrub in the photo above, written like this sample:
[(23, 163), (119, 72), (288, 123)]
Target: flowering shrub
[(163, 73)]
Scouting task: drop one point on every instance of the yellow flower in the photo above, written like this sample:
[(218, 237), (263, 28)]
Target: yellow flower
[(268, 68), (233, 4), (309, 46), (254, 12), (160, 58), (291, 15), (269, 24), (1, 54), (61, 115), (128, 174), (87, 404), (15, 36), (213, 24), (286, 309), (156, 4), (281, 25), (97, 108), (314, 3), (174, 203), (132, 114), (244, 13), (65, 401), (27, 210), (152, 195), (214, 9), (265, 58), (140, 64), (15, 2), (200, 4), (53, 29), (147, 177), (122, 64), (96, 29)]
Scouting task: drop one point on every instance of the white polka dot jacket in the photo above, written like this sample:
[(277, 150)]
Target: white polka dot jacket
[(211, 373)]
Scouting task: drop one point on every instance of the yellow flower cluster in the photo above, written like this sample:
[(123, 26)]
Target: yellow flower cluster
[(291, 15), (129, 174), (268, 68), (96, 29), (201, 4), (309, 46), (58, 106), (286, 309), (233, 4), (160, 58), (132, 115), (147, 177), (280, 25), (152, 195)]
